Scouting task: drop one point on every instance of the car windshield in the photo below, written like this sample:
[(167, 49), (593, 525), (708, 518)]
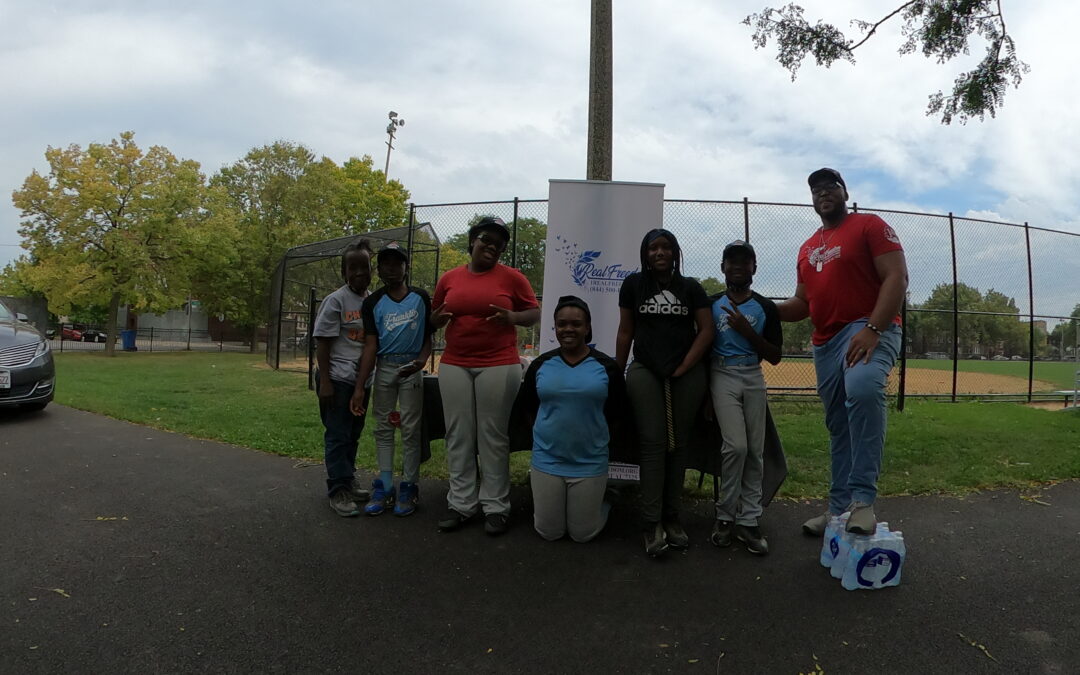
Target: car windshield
[(5, 313)]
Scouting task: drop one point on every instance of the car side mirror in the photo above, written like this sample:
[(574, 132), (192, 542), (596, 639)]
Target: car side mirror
[(22, 317)]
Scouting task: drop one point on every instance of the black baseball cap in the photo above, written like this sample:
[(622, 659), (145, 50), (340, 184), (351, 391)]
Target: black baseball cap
[(825, 174), (575, 301), (393, 248), (490, 223), (738, 245)]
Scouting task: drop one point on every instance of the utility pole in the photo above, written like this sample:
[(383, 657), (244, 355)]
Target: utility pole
[(391, 129), (598, 166)]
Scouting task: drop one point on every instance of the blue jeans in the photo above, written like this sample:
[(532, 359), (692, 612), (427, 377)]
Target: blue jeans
[(341, 437), (854, 400)]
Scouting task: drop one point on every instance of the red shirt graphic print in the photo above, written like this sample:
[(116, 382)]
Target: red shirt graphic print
[(836, 268)]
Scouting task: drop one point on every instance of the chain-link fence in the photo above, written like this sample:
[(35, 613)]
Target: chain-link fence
[(993, 308), (306, 274), (79, 337)]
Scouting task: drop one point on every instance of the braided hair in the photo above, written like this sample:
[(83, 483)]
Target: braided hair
[(362, 244)]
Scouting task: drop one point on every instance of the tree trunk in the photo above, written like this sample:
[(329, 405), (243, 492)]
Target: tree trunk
[(110, 338), (254, 339)]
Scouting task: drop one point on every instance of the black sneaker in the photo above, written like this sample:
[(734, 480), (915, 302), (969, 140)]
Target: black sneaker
[(452, 521), (655, 541), (496, 524), (721, 533), (675, 534), (753, 538)]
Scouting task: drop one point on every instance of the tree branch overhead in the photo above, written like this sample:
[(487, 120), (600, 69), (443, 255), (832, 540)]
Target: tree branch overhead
[(940, 29)]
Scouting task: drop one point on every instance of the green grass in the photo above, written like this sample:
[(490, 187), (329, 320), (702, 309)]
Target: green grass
[(942, 447), (932, 447), (1059, 373), (233, 398)]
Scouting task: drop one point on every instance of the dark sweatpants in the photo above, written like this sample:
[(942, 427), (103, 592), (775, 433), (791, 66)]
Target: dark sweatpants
[(663, 471)]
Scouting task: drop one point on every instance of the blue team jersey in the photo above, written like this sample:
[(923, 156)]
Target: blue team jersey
[(570, 436), (759, 311), (400, 326)]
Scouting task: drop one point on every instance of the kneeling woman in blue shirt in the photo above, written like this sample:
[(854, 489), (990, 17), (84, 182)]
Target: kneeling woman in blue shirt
[(568, 403)]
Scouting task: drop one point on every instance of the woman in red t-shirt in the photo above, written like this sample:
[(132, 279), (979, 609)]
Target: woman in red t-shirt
[(479, 374)]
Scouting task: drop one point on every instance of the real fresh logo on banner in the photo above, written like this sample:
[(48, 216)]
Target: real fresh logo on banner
[(588, 269), (592, 247)]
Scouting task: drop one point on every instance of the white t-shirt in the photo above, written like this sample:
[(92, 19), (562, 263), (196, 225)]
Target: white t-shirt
[(339, 317)]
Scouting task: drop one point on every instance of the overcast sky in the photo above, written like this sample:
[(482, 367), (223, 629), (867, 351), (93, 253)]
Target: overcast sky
[(494, 95)]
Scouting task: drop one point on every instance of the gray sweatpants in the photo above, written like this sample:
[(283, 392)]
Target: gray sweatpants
[(739, 400), (573, 506), (476, 409), (663, 470), (389, 389)]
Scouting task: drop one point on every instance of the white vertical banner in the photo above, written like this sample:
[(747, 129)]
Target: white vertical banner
[(593, 242)]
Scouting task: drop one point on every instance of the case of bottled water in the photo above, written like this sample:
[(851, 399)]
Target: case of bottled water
[(845, 543), (830, 545), (875, 561)]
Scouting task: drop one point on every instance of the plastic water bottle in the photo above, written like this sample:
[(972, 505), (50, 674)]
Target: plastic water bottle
[(845, 545), (875, 561), (830, 543), (844, 541)]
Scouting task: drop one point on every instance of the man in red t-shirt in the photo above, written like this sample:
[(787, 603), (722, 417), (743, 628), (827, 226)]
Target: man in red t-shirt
[(852, 277)]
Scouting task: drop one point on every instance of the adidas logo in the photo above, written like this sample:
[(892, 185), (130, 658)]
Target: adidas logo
[(664, 302)]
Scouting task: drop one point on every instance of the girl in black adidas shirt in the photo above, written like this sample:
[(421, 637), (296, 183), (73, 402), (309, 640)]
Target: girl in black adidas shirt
[(667, 318)]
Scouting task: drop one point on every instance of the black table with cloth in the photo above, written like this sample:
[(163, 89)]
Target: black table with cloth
[(703, 453)]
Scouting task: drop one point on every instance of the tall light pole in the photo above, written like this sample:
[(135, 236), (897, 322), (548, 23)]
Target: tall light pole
[(391, 129), (598, 155)]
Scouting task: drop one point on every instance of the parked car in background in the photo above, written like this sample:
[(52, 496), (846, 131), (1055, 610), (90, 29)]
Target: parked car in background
[(94, 335), (70, 333), (1017, 357), (999, 357), (937, 355), (976, 357), (27, 373)]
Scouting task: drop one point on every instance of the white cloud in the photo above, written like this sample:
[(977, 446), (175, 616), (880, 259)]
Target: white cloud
[(495, 97)]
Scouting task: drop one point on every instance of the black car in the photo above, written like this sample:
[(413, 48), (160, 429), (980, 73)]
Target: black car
[(27, 373), (94, 335)]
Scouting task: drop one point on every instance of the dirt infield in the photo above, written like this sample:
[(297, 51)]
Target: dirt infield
[(797, 375)]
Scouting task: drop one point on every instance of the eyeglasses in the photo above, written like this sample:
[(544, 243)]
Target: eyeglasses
[(822, 188), (493, 240)]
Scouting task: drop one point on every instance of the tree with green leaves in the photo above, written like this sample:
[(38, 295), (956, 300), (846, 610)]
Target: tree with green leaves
[(932, 331), (940, 29), (1063, 337), (14, 281), (111, 224), (797, 337), (531, 247), (991, 324), (1008, 332), (368, 202), (276, 197), (713, 286)]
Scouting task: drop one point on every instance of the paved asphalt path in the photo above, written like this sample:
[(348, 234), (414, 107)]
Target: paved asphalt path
[(130, 550)]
